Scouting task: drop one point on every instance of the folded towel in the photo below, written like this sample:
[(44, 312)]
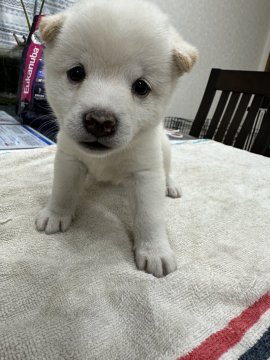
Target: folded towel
[(78, 295)]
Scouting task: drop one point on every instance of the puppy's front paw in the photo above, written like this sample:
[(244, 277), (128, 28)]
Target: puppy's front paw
[(51, 222), (156, 261)]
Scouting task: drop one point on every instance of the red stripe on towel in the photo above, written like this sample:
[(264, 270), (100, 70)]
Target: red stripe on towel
[(221, 341)]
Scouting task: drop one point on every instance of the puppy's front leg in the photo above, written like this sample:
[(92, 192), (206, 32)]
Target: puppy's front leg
[(69, 175), (152, 249)]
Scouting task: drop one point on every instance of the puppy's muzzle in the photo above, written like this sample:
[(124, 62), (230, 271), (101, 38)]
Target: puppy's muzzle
[(100, 123)]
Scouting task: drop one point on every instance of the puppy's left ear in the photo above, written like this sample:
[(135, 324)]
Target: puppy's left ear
[(184, 54)]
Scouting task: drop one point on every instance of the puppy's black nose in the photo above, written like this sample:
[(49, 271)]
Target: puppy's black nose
[(100, 123)]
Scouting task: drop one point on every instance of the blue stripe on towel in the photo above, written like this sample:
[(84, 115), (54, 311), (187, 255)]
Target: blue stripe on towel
[(259, 351)]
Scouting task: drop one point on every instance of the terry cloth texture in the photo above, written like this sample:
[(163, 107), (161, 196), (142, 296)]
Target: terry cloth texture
[(78, 295)]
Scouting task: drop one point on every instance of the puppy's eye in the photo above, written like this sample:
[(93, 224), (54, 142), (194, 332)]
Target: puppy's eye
[(76, 74), (141, 88)]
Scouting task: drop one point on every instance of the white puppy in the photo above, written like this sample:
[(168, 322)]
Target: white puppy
[(111, 67)]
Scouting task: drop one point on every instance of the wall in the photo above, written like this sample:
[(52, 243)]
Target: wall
[(266, 52), (229, 34)]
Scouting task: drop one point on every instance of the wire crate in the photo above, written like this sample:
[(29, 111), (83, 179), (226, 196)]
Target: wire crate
[(183, 125)]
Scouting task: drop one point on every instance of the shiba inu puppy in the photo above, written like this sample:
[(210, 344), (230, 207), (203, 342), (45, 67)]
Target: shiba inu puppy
[(110, 69)]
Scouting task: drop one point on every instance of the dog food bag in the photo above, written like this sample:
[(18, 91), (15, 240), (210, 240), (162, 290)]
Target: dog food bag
[(32, 106)]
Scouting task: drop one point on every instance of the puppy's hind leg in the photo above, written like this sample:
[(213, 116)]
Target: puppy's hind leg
[(172, 190)]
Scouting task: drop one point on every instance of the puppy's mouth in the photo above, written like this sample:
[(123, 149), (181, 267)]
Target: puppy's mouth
[(94, 146)]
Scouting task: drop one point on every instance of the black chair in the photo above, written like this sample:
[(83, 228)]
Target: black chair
[(242, 114)]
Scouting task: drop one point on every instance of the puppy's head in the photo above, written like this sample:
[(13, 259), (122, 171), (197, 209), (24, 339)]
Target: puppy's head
[(111, 67)]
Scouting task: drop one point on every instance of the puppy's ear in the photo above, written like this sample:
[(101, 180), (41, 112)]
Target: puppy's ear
[(184, 54), (50, 26)]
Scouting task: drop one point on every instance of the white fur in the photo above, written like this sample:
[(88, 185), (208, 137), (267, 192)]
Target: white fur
[(117, 41)]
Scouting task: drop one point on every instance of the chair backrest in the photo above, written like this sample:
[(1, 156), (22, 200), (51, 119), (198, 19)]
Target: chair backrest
[(242, 115)]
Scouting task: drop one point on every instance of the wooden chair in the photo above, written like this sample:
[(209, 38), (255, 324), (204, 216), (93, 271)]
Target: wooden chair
[(238, 119)]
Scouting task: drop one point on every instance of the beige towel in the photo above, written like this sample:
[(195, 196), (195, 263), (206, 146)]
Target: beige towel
[(78, 295)]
